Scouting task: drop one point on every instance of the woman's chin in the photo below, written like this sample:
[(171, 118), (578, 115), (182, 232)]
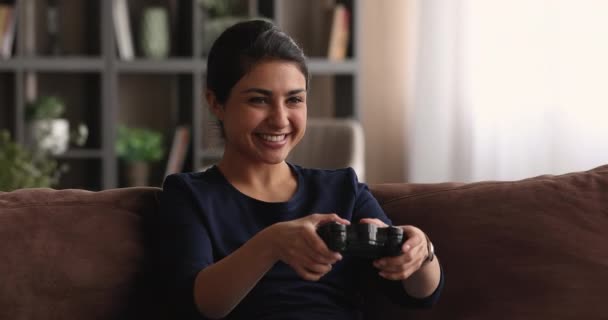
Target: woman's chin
[(271, 158)]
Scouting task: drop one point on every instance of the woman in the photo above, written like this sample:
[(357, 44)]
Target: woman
[(240, 238)]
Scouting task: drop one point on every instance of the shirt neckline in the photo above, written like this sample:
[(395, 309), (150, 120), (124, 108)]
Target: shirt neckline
[(289, 203)]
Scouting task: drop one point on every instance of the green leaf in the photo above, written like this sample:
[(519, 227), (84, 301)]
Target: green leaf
[(139, 144), (22, 168), (45, 107)]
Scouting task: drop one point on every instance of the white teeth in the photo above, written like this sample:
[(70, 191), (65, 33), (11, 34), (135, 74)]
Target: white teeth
[(272, 138)]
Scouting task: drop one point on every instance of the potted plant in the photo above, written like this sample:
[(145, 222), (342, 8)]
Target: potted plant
[(22, 168), (138, 147), (47, 130)]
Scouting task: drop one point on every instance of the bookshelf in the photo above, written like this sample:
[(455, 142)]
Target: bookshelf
[(103, 90)]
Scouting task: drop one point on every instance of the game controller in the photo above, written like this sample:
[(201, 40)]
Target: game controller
[(362, 240)]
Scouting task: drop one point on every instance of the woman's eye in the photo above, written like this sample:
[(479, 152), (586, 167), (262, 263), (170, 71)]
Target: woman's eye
[(295, 100), (258, 100)]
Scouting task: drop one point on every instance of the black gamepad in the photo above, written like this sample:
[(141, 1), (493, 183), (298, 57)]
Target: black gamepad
[(362, 240)]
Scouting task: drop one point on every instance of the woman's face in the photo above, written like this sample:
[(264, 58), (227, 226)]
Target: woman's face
[(264, 117)]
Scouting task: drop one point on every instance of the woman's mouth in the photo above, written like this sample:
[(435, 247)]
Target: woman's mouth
[(272, 137)]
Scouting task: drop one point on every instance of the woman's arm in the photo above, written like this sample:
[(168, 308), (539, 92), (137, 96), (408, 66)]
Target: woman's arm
[(420, 278), (423, 283), (220, 287)]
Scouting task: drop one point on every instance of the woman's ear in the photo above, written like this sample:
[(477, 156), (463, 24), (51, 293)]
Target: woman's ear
[(214, 105)]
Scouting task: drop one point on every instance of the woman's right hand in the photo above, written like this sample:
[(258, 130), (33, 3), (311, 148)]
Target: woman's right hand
[(298, 245)]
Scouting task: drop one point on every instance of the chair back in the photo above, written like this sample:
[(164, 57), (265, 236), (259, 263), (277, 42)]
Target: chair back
[(331, 144)]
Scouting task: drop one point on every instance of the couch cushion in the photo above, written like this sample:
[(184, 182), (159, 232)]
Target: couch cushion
[(529, 249), (71, 254)]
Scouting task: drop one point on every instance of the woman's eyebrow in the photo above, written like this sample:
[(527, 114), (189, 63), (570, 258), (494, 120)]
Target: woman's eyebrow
[(258, 90), (296, 91), (269, 93)]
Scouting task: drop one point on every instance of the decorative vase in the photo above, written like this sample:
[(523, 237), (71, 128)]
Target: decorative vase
[(49, 135), (137, 174), (154, 33)]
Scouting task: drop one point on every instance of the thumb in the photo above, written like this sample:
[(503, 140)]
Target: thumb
[(328, 217), (374, 221), (413, 235)]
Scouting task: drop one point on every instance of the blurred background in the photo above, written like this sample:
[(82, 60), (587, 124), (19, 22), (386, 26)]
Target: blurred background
[(109, 93), (506, 89)]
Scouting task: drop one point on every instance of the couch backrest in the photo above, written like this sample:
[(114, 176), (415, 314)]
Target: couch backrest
[(529, 249), (73, 254)]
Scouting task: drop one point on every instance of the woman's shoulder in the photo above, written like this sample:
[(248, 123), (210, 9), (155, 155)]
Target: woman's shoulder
[(193, 180)]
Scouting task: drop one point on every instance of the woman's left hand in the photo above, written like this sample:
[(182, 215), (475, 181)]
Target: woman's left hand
[(414, 253)]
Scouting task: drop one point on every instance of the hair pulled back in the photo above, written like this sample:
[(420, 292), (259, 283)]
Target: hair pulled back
[(243, 45)]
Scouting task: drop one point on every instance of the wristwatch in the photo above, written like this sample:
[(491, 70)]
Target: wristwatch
[(430, 249)]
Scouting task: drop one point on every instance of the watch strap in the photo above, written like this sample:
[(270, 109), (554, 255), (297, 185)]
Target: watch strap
[(430, 249)]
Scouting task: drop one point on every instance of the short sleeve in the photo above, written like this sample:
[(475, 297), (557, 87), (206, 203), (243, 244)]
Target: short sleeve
[(185, 247)]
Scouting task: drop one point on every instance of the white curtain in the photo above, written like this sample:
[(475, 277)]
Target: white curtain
[(504, 90)]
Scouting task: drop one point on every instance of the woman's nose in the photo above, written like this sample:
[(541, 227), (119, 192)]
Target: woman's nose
[(279, 115)]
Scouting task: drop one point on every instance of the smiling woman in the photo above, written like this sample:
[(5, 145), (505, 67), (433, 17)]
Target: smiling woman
[(245, 229), (265, 117)]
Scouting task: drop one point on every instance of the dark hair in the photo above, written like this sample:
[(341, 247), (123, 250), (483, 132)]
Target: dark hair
[(243, 45)]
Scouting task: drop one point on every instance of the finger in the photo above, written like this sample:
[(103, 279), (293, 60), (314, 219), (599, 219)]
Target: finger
[(312, 272), (398, 267), (318, 250), (414, 256), (322, 218), (318, 268), (415, 237), (301, 252), (375, 221), (297, 247), (314, 240), (307, 275), (399, 272), (412, 244), (311, 258), (402, 275), (317, 258)]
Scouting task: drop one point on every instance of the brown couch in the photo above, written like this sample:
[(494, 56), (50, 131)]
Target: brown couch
[(529, 249)]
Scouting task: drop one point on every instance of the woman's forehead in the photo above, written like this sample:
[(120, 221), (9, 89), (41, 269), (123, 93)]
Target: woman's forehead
[(273, 75)]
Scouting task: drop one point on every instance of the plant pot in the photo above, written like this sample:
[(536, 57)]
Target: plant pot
[(138, 173), (49, 135)]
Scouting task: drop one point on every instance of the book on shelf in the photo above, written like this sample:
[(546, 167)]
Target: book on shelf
[(179, 150), (122, 29), (339, 33), (4, 12), (28, 27), (52, 28), (8, 24)]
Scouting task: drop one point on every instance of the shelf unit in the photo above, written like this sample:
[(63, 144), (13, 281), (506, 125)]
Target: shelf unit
[(103, 91)]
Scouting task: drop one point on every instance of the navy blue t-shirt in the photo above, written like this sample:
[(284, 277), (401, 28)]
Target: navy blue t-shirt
[(204, 219)]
